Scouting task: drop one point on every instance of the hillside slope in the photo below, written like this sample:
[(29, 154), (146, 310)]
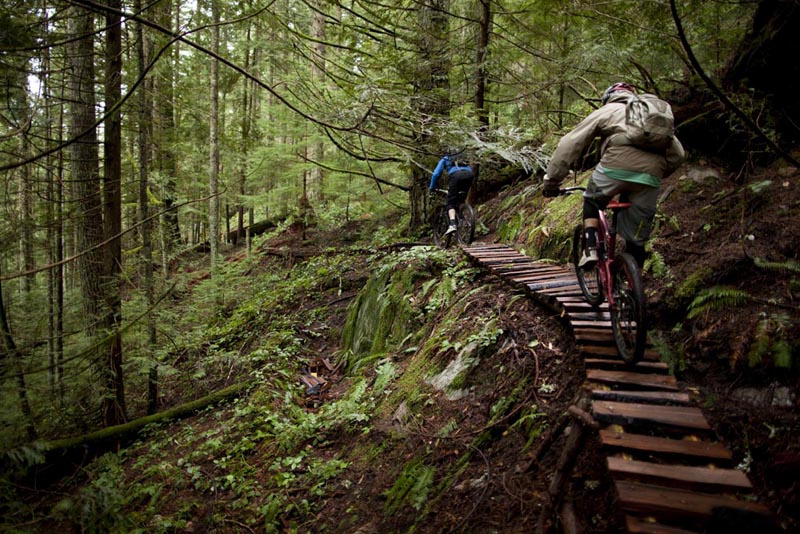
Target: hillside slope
[(400, 389)]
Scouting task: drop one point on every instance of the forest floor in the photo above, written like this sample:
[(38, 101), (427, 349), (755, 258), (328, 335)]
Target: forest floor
[(740, 359), (714, 233)]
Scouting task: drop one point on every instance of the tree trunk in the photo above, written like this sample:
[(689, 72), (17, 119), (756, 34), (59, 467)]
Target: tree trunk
[(111, 437), (10, 352), (213, 141), (316, 148), (59, 271), (164, 158), (433, 100), (114, 411), (26, 220), (481, 57), (146, 266), (85, 163), (54, 236)]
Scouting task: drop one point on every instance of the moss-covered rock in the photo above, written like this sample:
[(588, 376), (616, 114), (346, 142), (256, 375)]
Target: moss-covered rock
[(539, 227), (388, 311)]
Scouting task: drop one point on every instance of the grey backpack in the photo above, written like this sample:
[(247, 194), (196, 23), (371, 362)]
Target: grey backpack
[(649, 123)]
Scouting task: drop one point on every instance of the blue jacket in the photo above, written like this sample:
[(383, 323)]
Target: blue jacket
[(445, 164)]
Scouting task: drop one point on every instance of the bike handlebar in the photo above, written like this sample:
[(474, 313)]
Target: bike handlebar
[(570, 190)]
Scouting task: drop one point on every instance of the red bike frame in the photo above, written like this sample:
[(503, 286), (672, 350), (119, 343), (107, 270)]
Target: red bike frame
[(608, 236)]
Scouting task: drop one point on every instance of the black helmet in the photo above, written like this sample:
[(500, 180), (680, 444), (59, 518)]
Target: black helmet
[(456, 155), (619, 86)]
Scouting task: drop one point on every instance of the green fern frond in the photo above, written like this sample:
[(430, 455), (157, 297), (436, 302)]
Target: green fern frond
[(782, 354), (717, 297), (412, 487), (792, 266), (761, 342)]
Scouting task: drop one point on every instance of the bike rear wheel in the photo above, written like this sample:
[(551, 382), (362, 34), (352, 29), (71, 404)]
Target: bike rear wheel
[(466, 224), (588, 278), (440, 223), (629, 313)]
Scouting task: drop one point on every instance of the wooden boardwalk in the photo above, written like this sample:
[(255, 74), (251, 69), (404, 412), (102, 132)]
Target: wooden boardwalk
[(670, 472)]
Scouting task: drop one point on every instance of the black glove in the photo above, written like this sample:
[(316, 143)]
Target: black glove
[(549, 188), (549, 193)]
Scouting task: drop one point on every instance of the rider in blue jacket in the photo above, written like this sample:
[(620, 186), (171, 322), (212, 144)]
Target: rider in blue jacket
[(460, 177)]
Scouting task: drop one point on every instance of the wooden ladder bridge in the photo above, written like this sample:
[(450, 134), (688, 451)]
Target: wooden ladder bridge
[(670, 473)]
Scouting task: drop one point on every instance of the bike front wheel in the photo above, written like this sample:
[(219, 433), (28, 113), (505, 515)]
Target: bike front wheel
[(466, 224), (588, 278), (629, 312), (440, 223)]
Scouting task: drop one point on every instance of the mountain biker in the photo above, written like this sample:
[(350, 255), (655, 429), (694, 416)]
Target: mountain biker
[(460, 176), (623, 168)]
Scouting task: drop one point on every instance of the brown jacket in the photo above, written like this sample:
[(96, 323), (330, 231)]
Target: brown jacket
[(617, 155)]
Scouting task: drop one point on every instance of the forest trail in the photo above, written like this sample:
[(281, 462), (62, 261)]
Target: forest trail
[(670, 472)]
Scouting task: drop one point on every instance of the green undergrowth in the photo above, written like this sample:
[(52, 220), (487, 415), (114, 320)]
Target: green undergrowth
[(265, 458)]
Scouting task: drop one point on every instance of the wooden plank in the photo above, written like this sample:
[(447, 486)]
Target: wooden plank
[(528, 279), (604, 363), (557, 292), (647, 380), (480, 248), (587, 315), (676, 504), (608, 348), (592, 324), (635, 525), (533, 277), (522, 268), (682, 447), (628, 413), (645, 397), (489, 250), (681, 476), (508, 262), (550, 285), (605, 346), (504, 261), (594, 335), (578, 299), (583, 306), (495, 254), (599, 350)]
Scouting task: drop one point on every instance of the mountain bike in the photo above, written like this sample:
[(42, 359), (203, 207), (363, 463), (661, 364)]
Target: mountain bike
[(465, 223), (616, 278)]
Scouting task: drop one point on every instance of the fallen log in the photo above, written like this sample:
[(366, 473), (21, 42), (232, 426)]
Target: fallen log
[(254, 229), (61, 453), (558, 484)]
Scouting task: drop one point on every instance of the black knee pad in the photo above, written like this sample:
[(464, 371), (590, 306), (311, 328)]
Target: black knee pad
[(590, 209), (638, 253)]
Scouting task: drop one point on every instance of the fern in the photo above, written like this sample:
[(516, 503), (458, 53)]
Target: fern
[(411, 487), (769, 340), (788, 265), (717, 297), (761, 343), (782, 354)]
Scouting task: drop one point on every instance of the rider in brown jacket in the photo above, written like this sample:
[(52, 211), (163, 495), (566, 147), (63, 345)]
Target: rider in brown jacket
[(623, 168)]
